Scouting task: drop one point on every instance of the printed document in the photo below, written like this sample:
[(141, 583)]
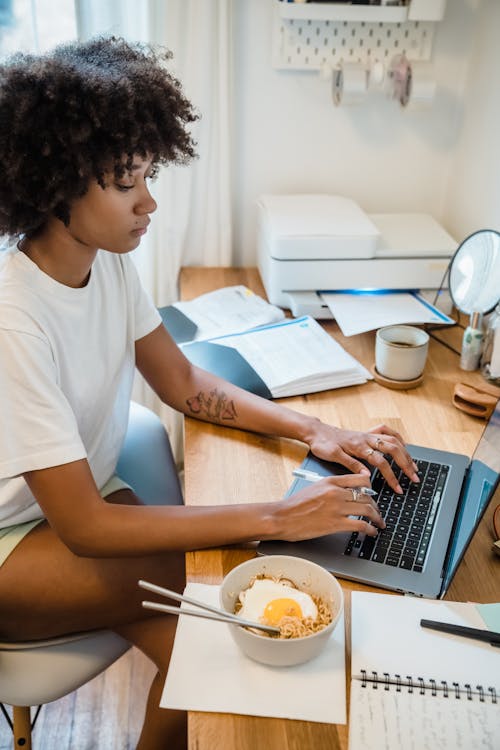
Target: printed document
[(296, 356), (228, 310), (366, 311)]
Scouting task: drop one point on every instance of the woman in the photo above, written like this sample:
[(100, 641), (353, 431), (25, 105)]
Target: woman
[(82, 131)]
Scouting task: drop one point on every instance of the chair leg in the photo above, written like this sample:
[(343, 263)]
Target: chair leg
[(22, 727)]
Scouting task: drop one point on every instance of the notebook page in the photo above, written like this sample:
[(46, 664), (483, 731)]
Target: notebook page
[(388, 720), (387, 638)]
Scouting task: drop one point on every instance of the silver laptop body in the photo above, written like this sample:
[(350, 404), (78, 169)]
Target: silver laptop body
[(464, 490)]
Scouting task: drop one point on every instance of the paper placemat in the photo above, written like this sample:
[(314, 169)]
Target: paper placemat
[(208, 672)]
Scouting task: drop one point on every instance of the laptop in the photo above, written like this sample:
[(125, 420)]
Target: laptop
[(427, 532)]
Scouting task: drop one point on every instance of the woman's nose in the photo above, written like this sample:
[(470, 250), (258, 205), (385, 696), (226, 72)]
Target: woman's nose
[(146, 203)]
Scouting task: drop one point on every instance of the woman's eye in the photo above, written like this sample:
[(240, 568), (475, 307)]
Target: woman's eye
[(123, 188)]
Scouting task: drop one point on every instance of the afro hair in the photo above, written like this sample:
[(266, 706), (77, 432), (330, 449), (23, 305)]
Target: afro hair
[(73, 115)]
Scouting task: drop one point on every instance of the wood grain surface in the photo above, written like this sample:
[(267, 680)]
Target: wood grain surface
[(224, 465)]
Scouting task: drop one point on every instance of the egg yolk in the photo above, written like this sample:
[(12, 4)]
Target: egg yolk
[(279, 608)]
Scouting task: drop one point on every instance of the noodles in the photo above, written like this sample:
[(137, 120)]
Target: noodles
[(294, 626)]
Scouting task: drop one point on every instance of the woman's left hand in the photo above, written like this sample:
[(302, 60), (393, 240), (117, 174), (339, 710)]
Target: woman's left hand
[(347, 446)]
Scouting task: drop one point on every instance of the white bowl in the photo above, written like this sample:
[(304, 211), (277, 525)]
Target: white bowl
[(308, 577)]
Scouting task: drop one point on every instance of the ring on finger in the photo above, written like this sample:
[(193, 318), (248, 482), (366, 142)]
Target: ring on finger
[(355, 494), (378, 443), (369, 451)]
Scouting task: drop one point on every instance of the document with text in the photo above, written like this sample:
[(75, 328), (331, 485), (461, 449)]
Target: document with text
[(296, 356), (365, 311), (228, 310)]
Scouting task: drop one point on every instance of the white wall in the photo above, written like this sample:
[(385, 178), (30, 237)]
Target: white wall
[(473, 194), (289, 137)]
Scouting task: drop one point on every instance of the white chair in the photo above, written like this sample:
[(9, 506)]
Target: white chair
[(37, 672)]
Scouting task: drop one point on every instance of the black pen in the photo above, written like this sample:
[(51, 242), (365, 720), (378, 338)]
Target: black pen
[(479, 635)]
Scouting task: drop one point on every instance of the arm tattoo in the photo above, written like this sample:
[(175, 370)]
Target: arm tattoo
[(215, 406)]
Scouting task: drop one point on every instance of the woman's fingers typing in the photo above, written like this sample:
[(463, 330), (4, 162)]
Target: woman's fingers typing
[(391, 442), (382, 446), (354, 450), (326, 507)]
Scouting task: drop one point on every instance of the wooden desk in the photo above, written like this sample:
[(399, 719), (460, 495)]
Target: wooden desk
[(230, 466)]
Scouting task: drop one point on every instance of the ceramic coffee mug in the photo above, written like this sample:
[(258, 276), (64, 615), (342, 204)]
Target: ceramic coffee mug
[(401, 352)]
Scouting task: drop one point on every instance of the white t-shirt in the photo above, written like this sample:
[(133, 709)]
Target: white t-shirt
[(66, 371)]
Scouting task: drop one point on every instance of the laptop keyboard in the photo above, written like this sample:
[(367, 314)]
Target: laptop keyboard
[(409, 518)]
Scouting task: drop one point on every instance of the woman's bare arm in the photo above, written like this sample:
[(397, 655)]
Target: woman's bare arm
[(200, 394), (92, 527)]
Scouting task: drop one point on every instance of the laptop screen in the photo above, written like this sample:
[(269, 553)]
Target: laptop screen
[(481, 483)]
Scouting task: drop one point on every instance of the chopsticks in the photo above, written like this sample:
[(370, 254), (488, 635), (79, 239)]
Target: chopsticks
[(209, 613)]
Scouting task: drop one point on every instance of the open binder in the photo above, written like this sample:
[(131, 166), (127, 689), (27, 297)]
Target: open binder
[(288, 358), (227, 363), (418, 689), (237, 335), (179, 326)]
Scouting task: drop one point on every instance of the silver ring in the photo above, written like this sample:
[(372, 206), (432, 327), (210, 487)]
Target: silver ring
[(355, 494), (370, 451), (378, 442)]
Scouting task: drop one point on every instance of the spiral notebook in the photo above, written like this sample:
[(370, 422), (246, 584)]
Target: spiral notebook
[(419, 689)]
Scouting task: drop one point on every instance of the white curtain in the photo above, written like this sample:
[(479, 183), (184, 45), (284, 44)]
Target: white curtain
[(192, 225)]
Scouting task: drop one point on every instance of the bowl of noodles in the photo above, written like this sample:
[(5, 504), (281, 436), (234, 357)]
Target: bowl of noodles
[(297, 596)]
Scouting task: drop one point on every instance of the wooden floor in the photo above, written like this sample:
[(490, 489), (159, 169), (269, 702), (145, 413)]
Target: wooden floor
[(105, 714)]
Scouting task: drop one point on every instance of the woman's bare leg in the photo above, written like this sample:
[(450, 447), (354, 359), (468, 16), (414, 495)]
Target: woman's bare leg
[(62, 593), (159, 723)]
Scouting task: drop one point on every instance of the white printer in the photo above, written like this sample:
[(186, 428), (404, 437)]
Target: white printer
[(313, 243)]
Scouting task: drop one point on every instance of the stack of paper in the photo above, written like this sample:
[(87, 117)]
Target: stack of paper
[(228, 310), (294, 357), (365, 311)]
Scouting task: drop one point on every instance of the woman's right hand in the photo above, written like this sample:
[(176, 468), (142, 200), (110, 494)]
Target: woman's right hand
[(326, 507)]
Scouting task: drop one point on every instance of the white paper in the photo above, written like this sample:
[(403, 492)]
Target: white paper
[(387, 637), (357, 313), (208, 672), (388, 641), (387, 720), (228, 310), (297, 356)]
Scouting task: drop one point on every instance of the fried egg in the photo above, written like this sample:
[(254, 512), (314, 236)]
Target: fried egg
[(268, 601)]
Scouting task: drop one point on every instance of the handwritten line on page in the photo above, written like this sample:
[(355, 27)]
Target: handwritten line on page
[(366, 311), (440, 693), (296, 356), (228, 310)]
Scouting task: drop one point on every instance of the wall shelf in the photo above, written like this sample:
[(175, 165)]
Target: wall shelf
[(312, 36), (342, 12), (385, 12)]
